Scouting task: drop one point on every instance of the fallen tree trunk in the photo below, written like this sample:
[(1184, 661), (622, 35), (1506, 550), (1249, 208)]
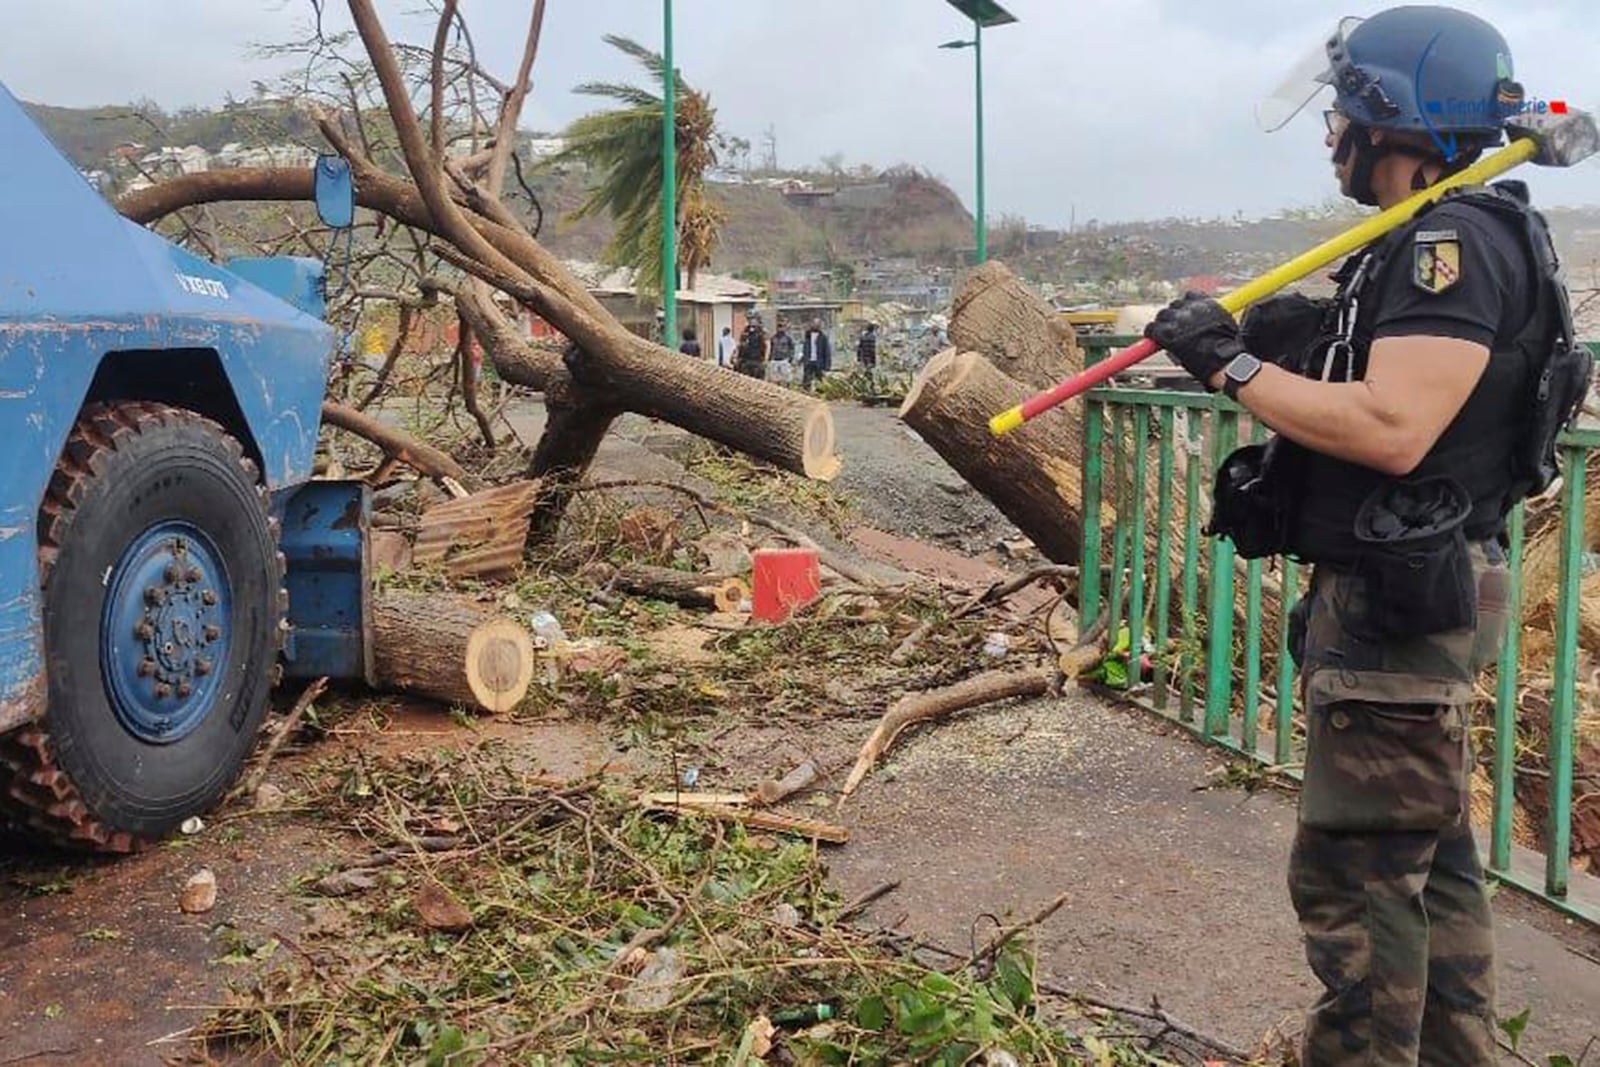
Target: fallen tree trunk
[(913, 708), (1032, 475), (995, 314), (448, 648), (768, 422), (576, 419)]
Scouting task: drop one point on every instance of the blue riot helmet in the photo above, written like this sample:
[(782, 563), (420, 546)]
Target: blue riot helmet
[(1440, 77), (1426, 69)]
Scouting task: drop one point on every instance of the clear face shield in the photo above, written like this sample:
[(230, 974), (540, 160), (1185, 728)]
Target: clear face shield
[(1306, 79)]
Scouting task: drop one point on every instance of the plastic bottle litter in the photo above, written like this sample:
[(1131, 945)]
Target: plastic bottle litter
[(691, 775), (805, 1015), (996, 645)]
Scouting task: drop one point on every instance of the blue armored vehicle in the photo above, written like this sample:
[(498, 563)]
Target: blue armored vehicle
[(159, 412)]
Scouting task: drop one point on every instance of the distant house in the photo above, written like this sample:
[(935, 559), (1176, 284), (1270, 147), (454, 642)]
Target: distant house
[(1209, 284), (715, 301), (189, 159), (235, 154)]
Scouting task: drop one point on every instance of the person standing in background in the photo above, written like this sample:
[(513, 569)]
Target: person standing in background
[(867, 348), (725, 347), (816, 355), (690, 345), (780, 364)]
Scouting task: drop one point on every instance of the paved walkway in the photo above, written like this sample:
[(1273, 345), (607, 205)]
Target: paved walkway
[(1174, 891)]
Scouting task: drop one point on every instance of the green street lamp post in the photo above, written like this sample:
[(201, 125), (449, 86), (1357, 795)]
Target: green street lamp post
[(982, 13), (669, 185)]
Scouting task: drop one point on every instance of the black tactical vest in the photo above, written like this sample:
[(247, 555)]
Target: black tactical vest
[(1482, 448)]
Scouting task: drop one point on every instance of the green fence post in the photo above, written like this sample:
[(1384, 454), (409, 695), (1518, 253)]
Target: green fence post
[(1163, 626), (1219, 609), (1562, 705), (1283, 720), (1252, 639), (1505, 702), (1196, 419), (1119, 529), (1136, 487), (1089, 561)]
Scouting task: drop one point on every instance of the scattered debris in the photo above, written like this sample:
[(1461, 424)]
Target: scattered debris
[(267, 797), (650, 530), (191, 826), (478, 536), (655, 986), (717, 592), (440, 909), (345, 883), (684, 803), (772, 791), (199, 892), (253, 783), (923, 707)]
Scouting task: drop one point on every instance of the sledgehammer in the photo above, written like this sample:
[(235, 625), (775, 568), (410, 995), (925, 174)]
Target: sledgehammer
[(1549, 140)]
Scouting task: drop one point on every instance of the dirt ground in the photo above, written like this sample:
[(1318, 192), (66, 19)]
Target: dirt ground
[(1174, 890)]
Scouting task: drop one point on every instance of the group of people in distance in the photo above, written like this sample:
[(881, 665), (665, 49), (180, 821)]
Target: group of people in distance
[(773, 358)]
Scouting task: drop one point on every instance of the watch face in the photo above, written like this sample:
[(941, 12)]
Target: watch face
[(1243, 367)]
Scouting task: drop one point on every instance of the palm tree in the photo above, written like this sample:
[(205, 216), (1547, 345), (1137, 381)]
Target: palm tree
[(623, 146)]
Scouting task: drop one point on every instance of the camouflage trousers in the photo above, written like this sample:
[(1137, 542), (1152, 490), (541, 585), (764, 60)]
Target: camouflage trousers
[(1384, 873)]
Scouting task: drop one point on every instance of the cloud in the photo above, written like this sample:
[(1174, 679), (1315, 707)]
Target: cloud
[(1113, 109)]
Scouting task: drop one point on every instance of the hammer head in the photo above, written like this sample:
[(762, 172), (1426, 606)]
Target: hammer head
[(1564, 139)]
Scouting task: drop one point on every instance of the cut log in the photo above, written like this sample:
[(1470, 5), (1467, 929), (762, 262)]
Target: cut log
[(715, 592), (913, 708), (996, 315), (1032, 475), (478, 536), (450, 649)]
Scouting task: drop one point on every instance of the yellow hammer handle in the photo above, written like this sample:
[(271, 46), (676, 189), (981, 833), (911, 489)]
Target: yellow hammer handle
[(1369, 230), (1358, 236)]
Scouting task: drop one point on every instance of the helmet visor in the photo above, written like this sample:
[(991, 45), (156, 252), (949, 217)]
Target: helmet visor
[(1305, 79)]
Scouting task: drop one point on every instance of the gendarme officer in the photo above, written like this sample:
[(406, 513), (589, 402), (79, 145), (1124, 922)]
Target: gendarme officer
[(1412, 411)]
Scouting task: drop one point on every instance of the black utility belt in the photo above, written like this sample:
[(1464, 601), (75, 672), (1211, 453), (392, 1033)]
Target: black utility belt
[(1408, 541)]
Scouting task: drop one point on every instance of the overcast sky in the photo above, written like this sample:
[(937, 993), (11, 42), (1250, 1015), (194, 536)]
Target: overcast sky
[(1109, 109)]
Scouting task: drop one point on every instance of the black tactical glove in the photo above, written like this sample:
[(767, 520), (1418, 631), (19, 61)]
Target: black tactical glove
[(1281, 328), (1199, 333)]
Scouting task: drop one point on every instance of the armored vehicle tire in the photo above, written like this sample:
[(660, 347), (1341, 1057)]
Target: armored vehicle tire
[(161, 623)]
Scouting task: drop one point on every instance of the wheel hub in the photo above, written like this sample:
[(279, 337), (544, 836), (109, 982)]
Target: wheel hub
[(164, 632)]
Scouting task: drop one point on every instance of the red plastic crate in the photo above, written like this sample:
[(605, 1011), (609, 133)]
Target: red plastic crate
[(783, 579)]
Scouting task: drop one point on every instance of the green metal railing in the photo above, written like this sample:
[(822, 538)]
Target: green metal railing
[(1217, 682)]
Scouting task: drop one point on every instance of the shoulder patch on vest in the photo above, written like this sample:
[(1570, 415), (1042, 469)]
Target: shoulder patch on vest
[(1435, 265)]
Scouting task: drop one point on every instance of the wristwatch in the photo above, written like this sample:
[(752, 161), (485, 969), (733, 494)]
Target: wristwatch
[(1237, 374)]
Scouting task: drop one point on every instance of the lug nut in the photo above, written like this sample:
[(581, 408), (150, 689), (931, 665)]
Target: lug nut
[(202, 667), (208, 597), (192, 574), (144, 631), (163, 691), (154, 595), (147, 667), (212, 633), (184, 689), (172, 574)]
